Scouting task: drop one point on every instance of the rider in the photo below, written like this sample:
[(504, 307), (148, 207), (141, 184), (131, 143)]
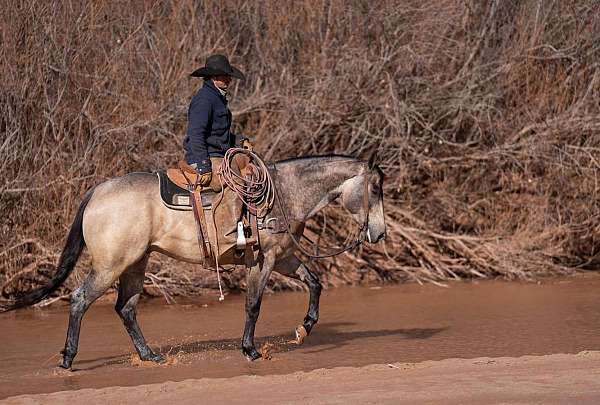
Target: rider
[(209, 120)]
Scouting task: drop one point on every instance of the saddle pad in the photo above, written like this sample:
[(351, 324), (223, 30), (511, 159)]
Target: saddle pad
[(178, 198)]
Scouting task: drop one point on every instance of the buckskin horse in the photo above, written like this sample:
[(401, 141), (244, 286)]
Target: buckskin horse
[(123, 220)]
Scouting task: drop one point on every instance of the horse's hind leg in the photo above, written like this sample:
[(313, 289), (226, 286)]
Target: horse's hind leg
[(131, 284), (293, 267), (93, 287)]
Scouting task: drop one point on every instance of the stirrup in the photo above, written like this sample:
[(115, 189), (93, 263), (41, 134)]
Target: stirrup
[(241, 237)]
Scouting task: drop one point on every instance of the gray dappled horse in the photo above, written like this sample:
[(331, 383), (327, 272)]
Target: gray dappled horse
[(123, 220)]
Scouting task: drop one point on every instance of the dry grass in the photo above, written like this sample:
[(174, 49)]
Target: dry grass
[(485, 116)]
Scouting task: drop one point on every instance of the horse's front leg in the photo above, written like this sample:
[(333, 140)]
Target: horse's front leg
[(293, 267), (312, 315), (256, 281)]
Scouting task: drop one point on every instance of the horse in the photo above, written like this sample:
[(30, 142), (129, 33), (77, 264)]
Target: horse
[(123, 220)]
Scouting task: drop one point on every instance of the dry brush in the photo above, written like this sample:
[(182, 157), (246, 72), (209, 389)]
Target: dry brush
[(485, 117)]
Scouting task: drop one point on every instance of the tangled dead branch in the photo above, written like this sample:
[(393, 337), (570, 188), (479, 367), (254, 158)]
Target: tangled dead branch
[(485, 116)]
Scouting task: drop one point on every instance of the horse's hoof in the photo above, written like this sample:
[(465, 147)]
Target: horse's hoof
[(66, 365), (251, 354), (157, 358), (301, 334), (67, 361)]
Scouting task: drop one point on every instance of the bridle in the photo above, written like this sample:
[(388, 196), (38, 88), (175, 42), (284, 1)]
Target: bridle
[(364, 229)]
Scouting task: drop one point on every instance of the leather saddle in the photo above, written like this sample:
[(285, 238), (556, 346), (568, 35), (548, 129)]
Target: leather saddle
[(179, 190)]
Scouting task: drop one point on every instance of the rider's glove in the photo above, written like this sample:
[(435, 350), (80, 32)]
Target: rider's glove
[(204, 179), (204, 170)]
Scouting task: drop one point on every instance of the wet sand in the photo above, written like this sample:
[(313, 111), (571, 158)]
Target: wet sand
[(396, 325), (550, 379)]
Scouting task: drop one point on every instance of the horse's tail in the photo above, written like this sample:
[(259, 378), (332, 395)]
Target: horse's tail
[(66, 264)]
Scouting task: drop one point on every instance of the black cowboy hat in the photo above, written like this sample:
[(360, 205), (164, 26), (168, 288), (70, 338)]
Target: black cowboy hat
[(218, 65)]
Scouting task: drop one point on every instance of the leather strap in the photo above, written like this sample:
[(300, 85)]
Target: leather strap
[(201, 222), (182, 164), (187, 170), (253, 228), (251, 222), (243, 163)]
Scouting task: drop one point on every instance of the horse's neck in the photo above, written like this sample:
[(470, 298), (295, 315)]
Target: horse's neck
[(308, 185)]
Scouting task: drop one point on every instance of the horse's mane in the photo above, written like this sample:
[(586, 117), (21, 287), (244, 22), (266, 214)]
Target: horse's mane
[(331, 157)]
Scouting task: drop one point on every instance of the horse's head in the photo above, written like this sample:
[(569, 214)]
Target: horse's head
[(369, 184)]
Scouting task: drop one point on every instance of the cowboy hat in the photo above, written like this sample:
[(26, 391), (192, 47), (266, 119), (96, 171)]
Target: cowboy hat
[(218, 65)]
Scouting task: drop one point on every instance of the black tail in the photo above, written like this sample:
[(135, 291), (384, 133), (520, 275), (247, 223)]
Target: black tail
[(68, 259)]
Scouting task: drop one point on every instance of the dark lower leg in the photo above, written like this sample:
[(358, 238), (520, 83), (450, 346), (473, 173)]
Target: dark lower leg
[(256, 281), (126, 311), (252, 312), (293, 267), (78, 308), (131, 284), (314, 288), (81, 299)]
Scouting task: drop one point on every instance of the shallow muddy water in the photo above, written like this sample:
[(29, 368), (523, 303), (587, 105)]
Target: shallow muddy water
[(358, 326)]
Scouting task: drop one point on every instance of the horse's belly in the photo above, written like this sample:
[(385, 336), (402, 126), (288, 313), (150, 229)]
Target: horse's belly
[(180, 251), (177, 237)]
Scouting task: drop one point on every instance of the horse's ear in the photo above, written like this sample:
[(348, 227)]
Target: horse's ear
[(372, 159)]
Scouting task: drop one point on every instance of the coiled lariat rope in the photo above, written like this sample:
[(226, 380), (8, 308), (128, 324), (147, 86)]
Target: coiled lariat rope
[(255, 190)]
